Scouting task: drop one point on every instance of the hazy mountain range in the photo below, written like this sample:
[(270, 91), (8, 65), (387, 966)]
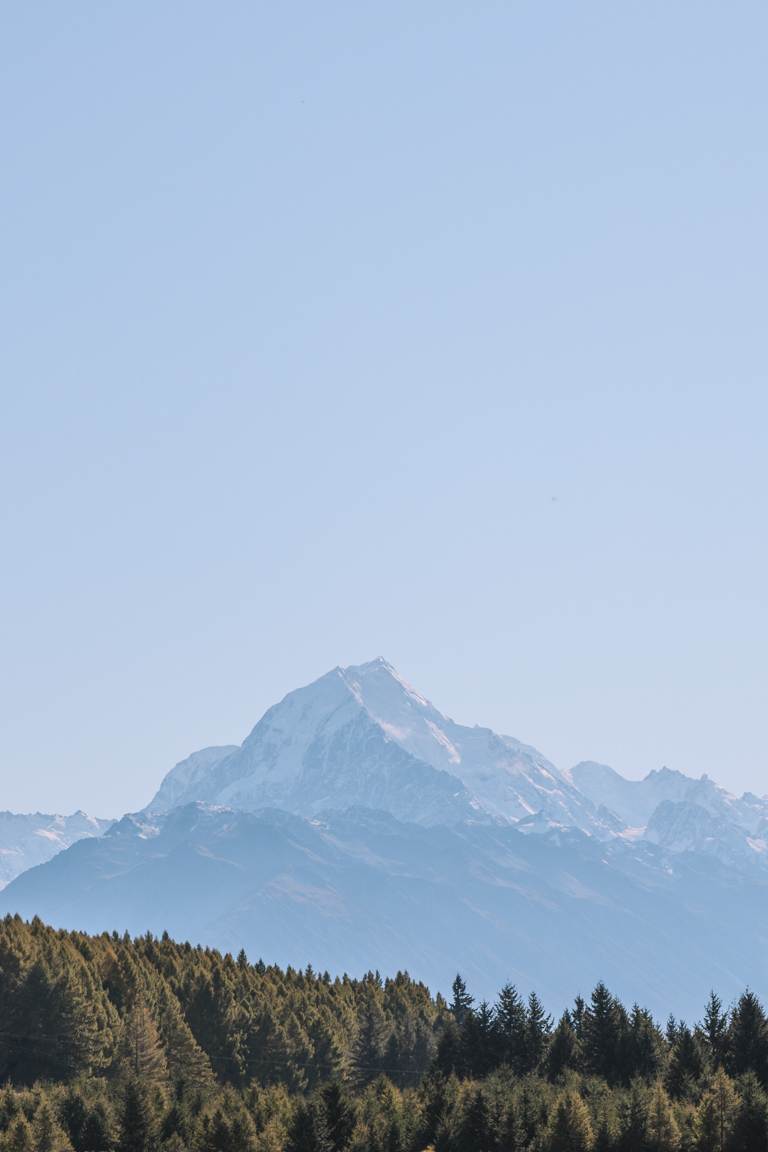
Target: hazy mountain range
[(357, 827)]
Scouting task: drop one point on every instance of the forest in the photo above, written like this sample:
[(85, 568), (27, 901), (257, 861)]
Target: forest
[(112, 1044)]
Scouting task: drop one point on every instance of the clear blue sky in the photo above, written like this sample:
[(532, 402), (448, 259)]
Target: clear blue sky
[(433, 330)]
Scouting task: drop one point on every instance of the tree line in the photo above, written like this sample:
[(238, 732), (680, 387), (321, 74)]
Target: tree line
[(113, 1044)]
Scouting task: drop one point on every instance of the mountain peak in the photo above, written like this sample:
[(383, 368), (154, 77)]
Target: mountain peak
[(362, 735)]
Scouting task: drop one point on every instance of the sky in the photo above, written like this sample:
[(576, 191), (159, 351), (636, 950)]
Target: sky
[(433, 331)]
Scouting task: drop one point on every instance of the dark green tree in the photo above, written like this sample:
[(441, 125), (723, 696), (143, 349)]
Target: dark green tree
[(137, 1126), (510, 1028), (461, 1001), (750, 1124), (749, 1038), (714, 1029), (340, 1115), (538, 1028), (563, 1051)]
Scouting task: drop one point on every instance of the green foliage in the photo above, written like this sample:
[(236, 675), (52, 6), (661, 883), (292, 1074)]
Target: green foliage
[(110, 1044)]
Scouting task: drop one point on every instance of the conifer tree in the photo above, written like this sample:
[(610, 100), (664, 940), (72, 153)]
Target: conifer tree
[(461, 1001), (562, 1053), (18, 1138), (340, 1115), (643, 1046), (474, 1131), (368, 1050), (73, 1112), (714, 1028), (538, 1027), (510, 1136), (601, 1041), (137, 1122), (308, 1132), (97, 1135), (570, 1129), (633, 1122), (662, 1132), (478, 1041), (510, 1027), (750, 1125), (188, 1066), (47, 1135), (140, 1053), (686, 1061), (749, 1038), (715, 1116)]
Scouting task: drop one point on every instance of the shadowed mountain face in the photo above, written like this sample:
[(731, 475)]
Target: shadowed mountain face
[(361, 890)]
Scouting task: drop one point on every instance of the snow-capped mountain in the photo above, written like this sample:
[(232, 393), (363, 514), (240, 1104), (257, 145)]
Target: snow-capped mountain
[(357, 826), (683, 826), (632, 801), (635, 802), (189, 776), (362, 736), (30, 839)]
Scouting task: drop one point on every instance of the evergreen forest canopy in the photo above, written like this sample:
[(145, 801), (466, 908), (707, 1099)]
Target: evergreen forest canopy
[(146, 1045)]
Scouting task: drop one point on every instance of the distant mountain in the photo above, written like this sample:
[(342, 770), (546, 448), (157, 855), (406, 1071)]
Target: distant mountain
[(359, 890), (357, 826), (189, 776), (633, 801), (27, 840), (681, 813), (362, 736), (684, 826)]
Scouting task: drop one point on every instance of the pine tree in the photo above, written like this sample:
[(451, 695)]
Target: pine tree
[(308, 1132), (47, 1135), (97, 1131), (73, 1112), (461, 1001), (438, 1094), (563, 1049), (510, 1026), (140, 1053), (570, 1129), (662, 1132), (643, 1046), (510, 1136), (538, 1027), (686, 1061), (749, 1038), (714, 1028), (213, 1133), (19, 1136), (188, 1066), (137, 1123), (474, 1132), (478, 1042), (750, 1125), (714, 1120), (601, 1043), (340, 1115), (633, 1122), (368, 1050)]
